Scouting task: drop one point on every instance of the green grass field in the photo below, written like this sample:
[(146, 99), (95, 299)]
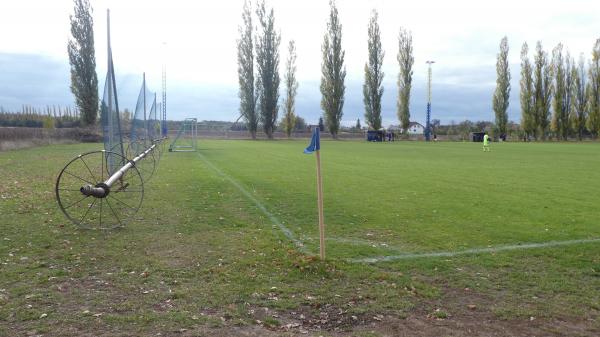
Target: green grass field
[(429, 238)]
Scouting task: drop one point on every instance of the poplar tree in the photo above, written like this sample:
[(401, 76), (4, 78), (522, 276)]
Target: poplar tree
[(406, 61), (559, 99), (372, 88), (569, 100), (82, 58), (245, 54), (501, 95), (579, 111), (333, 72), (291, 84), (593, 91), (526, 95), (267, 60), (542, 91)]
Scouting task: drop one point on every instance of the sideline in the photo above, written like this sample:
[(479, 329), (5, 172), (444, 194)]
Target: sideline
[(286, 231)]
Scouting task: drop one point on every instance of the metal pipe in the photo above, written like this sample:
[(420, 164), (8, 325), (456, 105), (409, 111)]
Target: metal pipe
[(101, 190), (117, 175), (98, 192)]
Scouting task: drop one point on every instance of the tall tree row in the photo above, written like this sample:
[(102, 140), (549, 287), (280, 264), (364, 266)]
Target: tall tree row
[(291, 84), (526, 94), (502, 93), (333, 72), (267, 61), (593, 91), (372, 88), (406, 61), (259, 93), (82, 58), (562, 87), (245, 49)]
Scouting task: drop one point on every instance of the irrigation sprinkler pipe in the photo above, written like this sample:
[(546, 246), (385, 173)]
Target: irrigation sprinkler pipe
[(102, 189)]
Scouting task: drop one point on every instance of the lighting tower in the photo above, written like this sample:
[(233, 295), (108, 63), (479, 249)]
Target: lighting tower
[(428, 119)]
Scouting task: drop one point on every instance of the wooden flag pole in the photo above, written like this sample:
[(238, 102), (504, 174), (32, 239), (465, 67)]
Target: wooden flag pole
[(320, 202)]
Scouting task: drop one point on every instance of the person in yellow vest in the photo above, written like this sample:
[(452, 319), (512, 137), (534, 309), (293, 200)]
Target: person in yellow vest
[(486, 143)]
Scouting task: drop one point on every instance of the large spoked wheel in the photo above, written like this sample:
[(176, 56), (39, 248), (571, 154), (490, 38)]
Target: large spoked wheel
[(92, 169), (146, 166)]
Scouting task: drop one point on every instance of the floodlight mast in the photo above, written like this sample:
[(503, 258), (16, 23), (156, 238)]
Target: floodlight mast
[(428, 118)]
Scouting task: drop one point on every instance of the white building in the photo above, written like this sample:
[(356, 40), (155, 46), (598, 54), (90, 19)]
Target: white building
[(414, 128)]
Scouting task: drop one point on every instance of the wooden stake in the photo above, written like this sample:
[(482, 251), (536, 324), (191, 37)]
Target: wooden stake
[(320, 202)]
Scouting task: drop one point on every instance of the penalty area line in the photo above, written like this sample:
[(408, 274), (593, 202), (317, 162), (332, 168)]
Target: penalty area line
[(286, 231), (474, 251)]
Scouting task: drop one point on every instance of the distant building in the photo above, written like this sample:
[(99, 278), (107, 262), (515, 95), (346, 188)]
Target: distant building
[(414, 128)]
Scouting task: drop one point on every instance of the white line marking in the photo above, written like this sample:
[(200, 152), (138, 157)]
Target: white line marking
[(408, 256), (359, 242), (286, 231)]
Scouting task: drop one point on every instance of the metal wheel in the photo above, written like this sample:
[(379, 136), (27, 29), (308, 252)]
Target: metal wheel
[(110, 211), (146, 166)]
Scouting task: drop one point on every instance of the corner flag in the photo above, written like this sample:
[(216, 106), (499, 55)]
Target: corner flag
[(315, 146), (315, 142)]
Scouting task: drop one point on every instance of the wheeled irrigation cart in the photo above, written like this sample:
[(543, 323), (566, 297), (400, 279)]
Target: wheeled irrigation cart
[(104, 189)]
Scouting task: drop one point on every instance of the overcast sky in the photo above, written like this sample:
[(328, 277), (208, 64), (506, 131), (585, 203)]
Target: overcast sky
[(197, 41)]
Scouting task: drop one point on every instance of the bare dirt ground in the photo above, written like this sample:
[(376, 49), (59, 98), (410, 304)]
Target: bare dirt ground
[(464, 313)]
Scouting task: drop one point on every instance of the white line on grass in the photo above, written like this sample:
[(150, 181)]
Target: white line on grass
[(473, 251), (286, 231)]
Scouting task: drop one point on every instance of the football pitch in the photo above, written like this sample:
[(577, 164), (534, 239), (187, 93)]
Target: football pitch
[(437, 237)]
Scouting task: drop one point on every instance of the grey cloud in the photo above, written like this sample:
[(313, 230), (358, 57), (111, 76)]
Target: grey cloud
[(457, 93)]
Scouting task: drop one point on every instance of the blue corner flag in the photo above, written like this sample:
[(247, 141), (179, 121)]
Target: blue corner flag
[(315, 142)]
